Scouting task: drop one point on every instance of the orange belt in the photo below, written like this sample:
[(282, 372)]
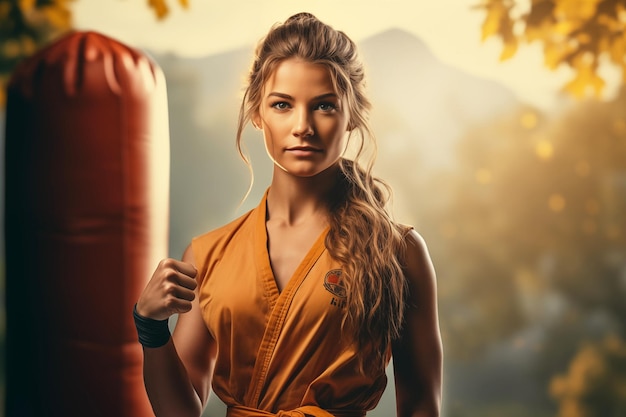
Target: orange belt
[(305, 411)]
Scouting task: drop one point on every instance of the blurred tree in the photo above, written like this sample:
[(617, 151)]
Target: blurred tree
[(581, 34), (536, 209), (531, 240), (27, 25)]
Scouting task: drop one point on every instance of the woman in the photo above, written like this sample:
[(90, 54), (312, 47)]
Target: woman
[(295, 308)]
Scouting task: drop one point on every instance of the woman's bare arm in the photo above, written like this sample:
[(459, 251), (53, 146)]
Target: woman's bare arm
[(418, 354), (178, 375)]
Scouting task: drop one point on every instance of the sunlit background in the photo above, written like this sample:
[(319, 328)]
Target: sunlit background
[(518, 188)]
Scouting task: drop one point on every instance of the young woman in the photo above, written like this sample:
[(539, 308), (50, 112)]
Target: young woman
[(296, 308)]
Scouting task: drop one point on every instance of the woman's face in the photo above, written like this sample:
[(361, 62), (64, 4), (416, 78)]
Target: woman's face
[(302, 118)]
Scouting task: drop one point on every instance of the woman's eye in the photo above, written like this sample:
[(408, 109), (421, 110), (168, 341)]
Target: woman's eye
[(281, 105), (326, 106)]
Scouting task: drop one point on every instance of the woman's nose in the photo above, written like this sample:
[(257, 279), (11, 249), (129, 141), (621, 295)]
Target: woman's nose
[(303, 126)]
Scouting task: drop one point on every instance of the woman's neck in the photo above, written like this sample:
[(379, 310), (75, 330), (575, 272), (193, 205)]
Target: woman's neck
[(292, 200)]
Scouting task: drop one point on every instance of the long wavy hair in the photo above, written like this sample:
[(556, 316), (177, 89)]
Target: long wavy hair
[(362, 236)]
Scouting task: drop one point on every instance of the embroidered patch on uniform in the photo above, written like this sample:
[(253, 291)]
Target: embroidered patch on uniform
[(334, 283)]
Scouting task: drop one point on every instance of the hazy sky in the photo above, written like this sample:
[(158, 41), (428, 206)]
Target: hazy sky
[(451, 28)]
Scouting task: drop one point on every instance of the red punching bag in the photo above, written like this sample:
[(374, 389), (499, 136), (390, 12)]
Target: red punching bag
[(86, 222)]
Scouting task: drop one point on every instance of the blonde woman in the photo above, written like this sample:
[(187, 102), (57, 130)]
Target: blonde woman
[(297, 307)]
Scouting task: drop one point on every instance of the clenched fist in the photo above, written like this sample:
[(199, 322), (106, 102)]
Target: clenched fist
[(170, 290)]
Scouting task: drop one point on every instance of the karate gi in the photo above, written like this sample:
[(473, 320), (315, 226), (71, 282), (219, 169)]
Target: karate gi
[(279, 353)]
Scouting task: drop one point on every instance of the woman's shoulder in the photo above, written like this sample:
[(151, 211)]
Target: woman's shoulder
[(404, 229), (417, 261), (412, 237), (415, 250)]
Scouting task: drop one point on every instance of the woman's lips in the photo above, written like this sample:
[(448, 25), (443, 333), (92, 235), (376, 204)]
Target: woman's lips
[(303, 150)]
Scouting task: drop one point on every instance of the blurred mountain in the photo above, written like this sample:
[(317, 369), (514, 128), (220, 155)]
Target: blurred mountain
[(421, 108), (433, 102)]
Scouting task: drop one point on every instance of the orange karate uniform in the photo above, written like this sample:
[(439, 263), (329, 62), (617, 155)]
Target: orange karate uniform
[(279, 353)]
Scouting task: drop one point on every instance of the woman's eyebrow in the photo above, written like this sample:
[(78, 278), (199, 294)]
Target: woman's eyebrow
[(327, 95), (281, 95), (288, 97)]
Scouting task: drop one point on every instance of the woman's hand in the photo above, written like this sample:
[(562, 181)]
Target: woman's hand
[(169, 291)]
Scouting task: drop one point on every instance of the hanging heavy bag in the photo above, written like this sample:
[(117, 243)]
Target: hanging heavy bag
[(86, 221)]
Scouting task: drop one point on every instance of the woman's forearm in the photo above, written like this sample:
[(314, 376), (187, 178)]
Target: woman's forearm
[(168, 385)]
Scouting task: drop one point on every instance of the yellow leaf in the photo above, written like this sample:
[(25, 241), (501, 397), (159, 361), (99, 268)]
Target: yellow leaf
[(539, 19), (604, 45), (27, 6), (611, 23), (617, 49), (509, 49), (584, 38), (58, 17), (533, 33), (565, 27), (160, 8), (585, 78), (491, 25), (184, 3), (554, 53), (575, 9), (489, 28), (509, 40), (576, 87)]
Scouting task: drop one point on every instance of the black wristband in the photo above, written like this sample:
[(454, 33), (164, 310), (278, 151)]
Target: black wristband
[(152, 333)]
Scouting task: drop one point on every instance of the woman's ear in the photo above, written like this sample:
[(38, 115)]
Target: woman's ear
[(350, 126), (256, 120)]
